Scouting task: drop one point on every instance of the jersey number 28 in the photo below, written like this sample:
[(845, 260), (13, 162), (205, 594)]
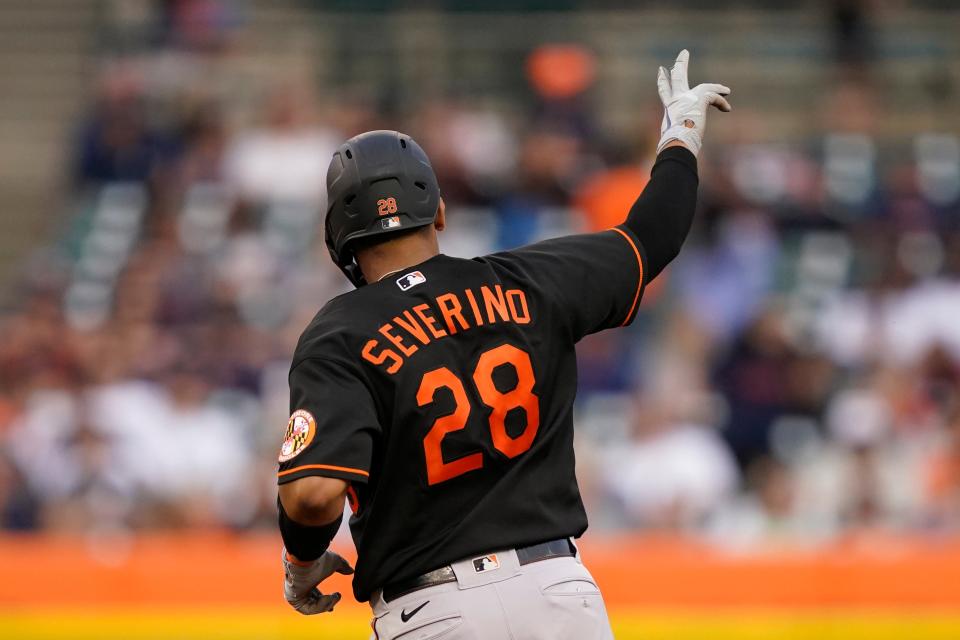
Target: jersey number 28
[(500, 403)]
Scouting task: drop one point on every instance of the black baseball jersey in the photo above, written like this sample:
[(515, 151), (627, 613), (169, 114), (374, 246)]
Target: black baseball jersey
[(444, 395)]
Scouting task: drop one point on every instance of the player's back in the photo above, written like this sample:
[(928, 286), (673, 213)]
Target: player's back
[(444, 395)]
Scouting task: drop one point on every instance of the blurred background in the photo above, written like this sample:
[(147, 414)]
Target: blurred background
[(788, 399)]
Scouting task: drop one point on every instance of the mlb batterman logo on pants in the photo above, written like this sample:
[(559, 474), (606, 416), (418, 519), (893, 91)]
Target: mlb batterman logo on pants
[(486, 563), (443, 406)]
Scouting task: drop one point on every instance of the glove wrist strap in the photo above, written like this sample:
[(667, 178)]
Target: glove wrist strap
[(689, 136)]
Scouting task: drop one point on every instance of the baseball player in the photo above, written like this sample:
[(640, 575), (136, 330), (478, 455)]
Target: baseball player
[(438, 397)]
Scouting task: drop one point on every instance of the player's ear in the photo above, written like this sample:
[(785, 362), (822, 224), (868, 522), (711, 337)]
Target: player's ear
[(440, 222)]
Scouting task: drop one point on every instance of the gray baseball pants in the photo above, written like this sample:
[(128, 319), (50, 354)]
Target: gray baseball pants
[(555, 599)]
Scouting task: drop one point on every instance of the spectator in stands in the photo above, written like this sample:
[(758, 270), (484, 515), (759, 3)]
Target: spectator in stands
[(202, 453), (674, 473), (548, 167), (205, 140), (767, 513), (19, 507), (201, 25), (116, 142), (284, 159), (98, 495), (472, 150), (860, 421), (752, 377), (942, 482), (725, 282)]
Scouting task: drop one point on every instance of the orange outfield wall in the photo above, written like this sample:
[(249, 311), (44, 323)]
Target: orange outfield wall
[(188, 570)]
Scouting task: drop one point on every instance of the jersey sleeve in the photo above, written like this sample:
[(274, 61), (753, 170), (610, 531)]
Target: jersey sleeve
[(594, 281), (332, 426)]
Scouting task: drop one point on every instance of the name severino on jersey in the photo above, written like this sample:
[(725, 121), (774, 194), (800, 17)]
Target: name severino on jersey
[(459, 312)]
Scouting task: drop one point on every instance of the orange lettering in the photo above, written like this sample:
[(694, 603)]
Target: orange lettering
[(438, 469), (382, 357), (429, 321), (502, 403), (497, 303), (397, 340), (386, 206), (517, 300), (476, 309), (452, 311), (411, 326)]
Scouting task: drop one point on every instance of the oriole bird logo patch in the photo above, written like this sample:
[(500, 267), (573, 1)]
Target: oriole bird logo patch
[(300, 430)]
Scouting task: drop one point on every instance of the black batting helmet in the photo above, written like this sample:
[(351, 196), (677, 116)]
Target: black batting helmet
[(379, 182)]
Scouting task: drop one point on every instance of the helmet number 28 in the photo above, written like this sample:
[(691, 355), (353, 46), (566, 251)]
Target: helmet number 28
[(500, 403), (386, 206)]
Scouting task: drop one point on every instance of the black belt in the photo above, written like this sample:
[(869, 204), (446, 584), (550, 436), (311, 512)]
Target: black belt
[(562, 548)]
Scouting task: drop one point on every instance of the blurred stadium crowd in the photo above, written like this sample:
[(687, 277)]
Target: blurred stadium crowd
[(794, 376)]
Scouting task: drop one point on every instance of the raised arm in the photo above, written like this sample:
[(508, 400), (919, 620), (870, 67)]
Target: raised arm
[(662, 215)]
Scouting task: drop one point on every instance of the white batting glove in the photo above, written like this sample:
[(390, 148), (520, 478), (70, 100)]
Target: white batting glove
[(685, 109), (300, 582)]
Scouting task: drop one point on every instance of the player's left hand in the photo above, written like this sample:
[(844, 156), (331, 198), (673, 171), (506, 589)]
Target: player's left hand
[(685, 109), (300, 582)]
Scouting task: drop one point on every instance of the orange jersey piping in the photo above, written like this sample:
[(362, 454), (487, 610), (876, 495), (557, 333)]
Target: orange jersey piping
[(328, 467), (636, 297)]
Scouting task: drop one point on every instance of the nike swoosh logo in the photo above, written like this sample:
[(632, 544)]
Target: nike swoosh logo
[(406, 616)]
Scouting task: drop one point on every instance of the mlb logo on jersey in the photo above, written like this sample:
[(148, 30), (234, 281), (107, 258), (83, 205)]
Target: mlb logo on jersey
[(486, 563), (411, 280), (391, 223)]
